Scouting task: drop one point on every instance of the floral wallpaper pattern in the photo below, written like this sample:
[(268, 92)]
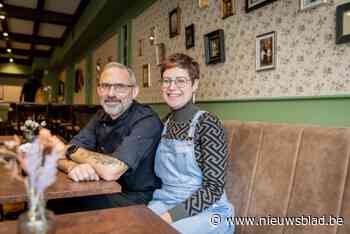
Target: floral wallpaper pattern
[(309, 63)]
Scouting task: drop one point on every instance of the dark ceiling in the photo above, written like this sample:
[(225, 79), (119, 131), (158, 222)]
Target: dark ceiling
[(33, 28)]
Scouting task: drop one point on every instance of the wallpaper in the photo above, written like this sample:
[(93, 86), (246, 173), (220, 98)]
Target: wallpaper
[(308, 62), (107, 51)]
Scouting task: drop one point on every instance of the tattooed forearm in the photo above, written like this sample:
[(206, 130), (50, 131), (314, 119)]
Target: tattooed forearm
[(66, 165), (106, 166)]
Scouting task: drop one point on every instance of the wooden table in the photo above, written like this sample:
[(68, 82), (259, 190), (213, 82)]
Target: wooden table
[(12, 190), (125, 220)]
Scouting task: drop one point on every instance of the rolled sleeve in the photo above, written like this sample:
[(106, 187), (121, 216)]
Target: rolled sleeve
[(140, 143)]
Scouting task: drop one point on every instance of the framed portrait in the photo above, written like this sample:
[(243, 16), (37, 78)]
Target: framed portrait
[(2, 92), (266, 51), (227, 8), (343, 23), (146, 75), (255, 4), (307, 4), (60, 88), (189, 36), (139, 47), (203, 3), (214, 44), (160, 53), (174, 22)]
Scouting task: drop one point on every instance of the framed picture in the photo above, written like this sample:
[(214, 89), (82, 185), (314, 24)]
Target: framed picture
[(189, 36), (307, 4), (343, 23), (160, 53), (255, 4), (140, 47), (60, 88), (174, 22), (265, 51), (146, 75), (203, 3), (214, 47), (227, 8), (2, 92)]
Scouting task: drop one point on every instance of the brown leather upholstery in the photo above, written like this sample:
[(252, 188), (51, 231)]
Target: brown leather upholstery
[(288, 170)]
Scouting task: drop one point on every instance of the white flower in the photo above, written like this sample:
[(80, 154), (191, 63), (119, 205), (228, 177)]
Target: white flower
[(43, 123)]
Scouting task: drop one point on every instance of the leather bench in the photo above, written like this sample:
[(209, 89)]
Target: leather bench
[(285, 170)]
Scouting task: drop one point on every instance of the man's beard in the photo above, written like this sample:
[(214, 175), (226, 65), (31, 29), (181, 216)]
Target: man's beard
[(114, 107)]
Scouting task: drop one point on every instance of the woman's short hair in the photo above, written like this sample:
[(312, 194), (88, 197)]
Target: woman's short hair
[(182, 61)]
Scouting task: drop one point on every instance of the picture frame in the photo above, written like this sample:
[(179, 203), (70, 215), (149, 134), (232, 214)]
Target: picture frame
[(266, 51), (342, 26), (308, 4), (203, 3), (140, 47), (228, 8), (174, 22), (255, 4), (214, 43), (61, 88), (189, 36), (2, 92), (146, 76), (160, 53)]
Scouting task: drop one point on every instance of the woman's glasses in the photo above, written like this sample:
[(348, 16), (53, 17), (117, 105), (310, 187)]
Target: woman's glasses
[(179, 81)]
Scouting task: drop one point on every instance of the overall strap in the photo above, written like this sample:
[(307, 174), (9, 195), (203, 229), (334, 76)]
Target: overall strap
[(194, 123), (166, 125)]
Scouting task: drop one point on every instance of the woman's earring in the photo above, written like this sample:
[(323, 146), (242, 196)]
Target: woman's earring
[(194, 98)]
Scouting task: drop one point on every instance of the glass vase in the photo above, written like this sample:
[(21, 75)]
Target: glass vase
[(40, 224), (29, 136)]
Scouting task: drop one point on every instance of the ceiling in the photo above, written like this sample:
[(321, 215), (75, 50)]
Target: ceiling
[(35, 27)]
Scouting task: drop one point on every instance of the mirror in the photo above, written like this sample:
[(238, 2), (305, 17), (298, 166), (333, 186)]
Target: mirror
[(343, 23)]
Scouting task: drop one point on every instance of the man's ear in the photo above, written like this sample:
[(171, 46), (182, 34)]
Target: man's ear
[(135, 91)]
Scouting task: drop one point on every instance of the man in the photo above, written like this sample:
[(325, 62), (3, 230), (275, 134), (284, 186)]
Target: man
[(118, 144), (31, 87)]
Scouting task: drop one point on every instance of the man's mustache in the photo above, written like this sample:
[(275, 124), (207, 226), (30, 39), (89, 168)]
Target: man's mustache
[(112, 100)]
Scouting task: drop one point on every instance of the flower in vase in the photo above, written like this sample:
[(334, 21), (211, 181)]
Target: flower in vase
[(41, 170), (30, 128)]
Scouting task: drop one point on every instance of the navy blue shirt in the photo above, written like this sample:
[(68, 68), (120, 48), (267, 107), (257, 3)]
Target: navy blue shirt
[(132, 138)]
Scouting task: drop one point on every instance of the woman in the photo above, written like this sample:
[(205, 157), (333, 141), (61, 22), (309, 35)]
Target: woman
[(191, 157)]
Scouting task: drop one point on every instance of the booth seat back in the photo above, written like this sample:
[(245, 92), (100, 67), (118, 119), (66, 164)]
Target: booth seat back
[(284, 170)]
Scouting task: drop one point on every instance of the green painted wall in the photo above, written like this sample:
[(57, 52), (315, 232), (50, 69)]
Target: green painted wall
[(324, 111)]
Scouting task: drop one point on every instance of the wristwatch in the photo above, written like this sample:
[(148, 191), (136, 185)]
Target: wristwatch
[(71, 150)]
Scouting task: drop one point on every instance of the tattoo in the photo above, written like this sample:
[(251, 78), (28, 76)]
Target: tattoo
[(66, 165), (87, 156)]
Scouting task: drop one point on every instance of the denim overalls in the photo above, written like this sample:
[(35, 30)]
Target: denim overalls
[(176, 166)]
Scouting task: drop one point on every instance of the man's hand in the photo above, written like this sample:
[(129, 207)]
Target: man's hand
[(83, 172)]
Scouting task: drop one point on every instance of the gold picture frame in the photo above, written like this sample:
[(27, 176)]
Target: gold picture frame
[(203, 3), (146, 76), (228, 8), (174, 22)]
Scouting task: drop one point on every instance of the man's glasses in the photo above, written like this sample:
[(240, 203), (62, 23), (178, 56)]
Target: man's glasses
[(179, 81), (119, 88)]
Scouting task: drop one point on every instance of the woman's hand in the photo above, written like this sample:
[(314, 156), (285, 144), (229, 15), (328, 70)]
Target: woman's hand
[(166, 217)]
